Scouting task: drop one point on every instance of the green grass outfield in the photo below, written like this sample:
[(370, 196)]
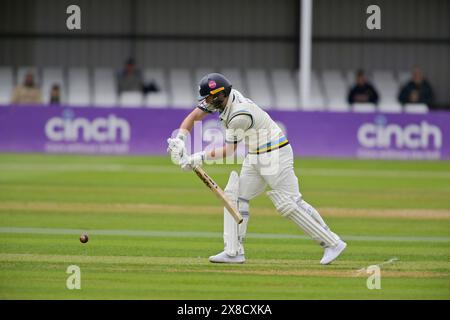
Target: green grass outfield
[(152, 228)]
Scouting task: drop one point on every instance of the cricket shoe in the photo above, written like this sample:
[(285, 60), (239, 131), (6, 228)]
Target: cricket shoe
[(225, 258), (331, 254)]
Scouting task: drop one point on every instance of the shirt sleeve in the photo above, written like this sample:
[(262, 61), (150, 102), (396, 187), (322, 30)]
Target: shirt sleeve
[(237, 127)]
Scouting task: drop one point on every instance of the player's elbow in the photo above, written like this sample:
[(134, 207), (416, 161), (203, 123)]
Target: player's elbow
[(198, 114)]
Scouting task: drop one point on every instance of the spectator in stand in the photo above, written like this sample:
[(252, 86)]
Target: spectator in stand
[(55, 94), (417, 90), (362, 91), (130, 79), (28, 92)]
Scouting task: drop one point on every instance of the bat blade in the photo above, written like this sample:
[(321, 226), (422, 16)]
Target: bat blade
[(214, 187)]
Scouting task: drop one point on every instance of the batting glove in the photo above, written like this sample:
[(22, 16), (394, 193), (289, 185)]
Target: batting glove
[(176, 148), (192, 161)]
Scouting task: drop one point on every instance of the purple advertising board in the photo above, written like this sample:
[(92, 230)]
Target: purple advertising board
[(145, 131)]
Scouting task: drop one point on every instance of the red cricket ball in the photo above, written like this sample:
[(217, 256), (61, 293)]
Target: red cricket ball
[(84, 238)]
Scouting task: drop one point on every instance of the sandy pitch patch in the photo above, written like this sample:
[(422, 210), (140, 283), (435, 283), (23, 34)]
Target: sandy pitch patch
[(146, 208)]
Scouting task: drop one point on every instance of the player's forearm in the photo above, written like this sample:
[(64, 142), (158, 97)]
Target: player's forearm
[(222, 152), (188, 123)]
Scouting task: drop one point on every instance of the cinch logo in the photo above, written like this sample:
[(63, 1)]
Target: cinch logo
[(413, 136), (108, 129)]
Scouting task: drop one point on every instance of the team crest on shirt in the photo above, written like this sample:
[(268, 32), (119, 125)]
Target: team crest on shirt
[(212, 84)]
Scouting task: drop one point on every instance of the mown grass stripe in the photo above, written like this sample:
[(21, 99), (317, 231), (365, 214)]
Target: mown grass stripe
[(164, 169), (204, 234)]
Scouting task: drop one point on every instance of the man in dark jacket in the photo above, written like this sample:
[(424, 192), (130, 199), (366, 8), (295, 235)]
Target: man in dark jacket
[(130, 78), (362, 91), (417, 90)]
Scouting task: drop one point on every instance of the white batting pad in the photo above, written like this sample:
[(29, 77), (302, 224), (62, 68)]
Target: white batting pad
[(232, 188), (230, 227), (289, 209), (312, 212)]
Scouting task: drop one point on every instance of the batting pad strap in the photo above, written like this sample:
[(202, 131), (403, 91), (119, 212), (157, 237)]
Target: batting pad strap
[(243, 207)]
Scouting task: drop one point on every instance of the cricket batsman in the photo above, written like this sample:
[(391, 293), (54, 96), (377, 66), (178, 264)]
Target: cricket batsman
[(269, 162)]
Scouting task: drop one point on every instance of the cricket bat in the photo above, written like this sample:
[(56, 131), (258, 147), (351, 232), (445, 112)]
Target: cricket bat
[(211, 184)]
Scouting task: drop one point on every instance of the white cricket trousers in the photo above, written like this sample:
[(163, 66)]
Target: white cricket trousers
[(274, 169)]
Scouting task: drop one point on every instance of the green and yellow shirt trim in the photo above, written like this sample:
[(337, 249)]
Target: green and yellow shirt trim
[(282, 142)]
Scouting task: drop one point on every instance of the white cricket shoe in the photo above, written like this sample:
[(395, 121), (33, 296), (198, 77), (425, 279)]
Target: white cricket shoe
[(331, 254), (225, 258)]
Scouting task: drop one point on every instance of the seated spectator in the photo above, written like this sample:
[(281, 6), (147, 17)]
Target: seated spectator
[(28, 92), (417, 90), (55, 94), (130, 79), (362, 91)]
